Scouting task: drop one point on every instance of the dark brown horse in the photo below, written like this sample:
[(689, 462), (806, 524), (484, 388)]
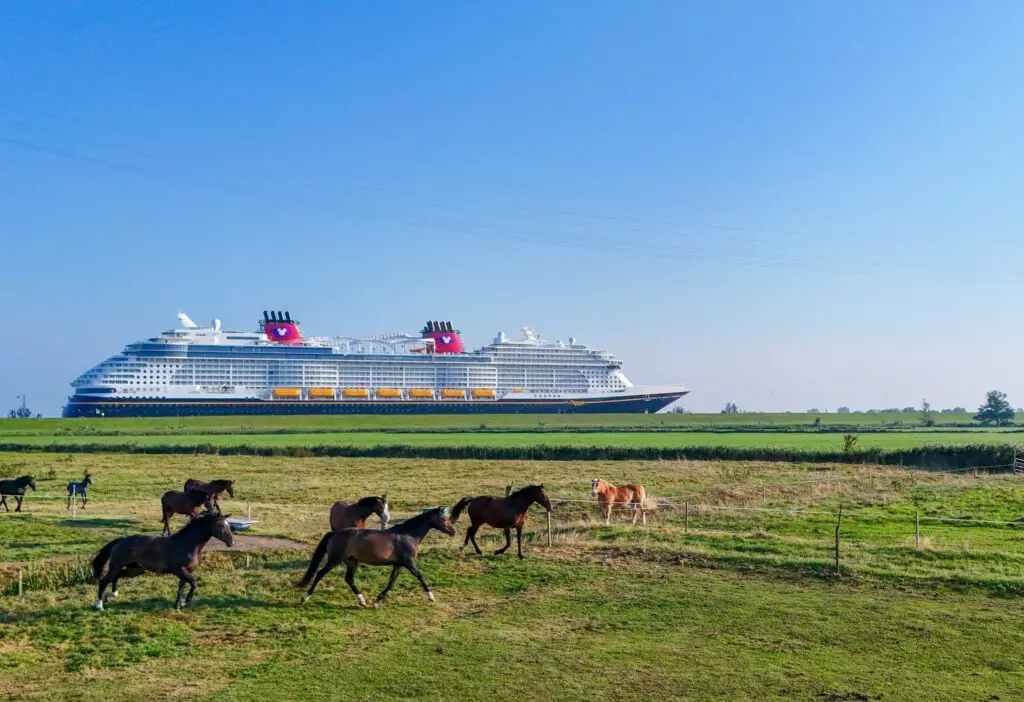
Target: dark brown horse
[(179, 554), (346, 515), (15, 487), (213, 488), (187, 503), (397, 547), (502, 513)]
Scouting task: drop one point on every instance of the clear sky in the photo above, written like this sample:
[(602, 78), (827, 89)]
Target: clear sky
[(780, 204)]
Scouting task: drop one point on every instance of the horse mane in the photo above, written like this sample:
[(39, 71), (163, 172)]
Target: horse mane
[(369, 501), (22, 480), (529, 488), (219, 484), (413, 523), (200, 522)]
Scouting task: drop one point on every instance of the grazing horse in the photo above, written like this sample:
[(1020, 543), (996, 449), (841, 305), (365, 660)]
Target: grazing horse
[(213, 488), (187, 503), (502, 513), (81, 488), (15, 487), (397, 547), (345, 515), (609, 496), (179, 554)]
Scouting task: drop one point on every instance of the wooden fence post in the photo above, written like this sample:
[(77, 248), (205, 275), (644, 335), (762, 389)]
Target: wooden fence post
[(917, 530), (21, 588), (549, 528), (686, 517), (248, 510), (839, 521), (764, 494), (74, 507)]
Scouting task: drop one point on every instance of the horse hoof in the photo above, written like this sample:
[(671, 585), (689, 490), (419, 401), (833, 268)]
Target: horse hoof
[(98, 605), (113, 595), (304, 599), (430, 596), (179, 605), (362, 600), (377, 604)]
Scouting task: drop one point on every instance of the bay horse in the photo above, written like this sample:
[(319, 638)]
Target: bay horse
[(502, 513), (187, 503), (609, 496), (179, 554), (15, 487), (397, 547), (80, 488), (213, 488), (345, 515)]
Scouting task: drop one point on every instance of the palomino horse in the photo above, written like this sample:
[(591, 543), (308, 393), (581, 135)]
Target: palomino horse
[(179, 554), (609, 496), (187, 503), (397, 547), (80, 489), (15, 487), (213, 488), (502, 513), (346, 515)]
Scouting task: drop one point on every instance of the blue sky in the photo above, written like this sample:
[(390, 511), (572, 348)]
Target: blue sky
[(779, 204)]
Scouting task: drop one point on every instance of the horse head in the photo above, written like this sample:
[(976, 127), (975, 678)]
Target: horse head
[(31, 482), (541, 496), (595, 486), (441, 520), (381, 508), (88, 479), (230, 487), (221, 529)]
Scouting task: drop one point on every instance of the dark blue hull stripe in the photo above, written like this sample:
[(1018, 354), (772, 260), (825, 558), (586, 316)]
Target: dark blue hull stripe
[(106, 407)]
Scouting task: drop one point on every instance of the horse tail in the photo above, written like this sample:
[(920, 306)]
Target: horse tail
[(318, 555), (101, 558), (459, 506)]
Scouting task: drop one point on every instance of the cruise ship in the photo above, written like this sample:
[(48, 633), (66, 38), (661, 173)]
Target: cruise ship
[(193, 370)]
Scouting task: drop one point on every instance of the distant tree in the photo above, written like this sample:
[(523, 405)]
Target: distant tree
[(731, 408), (996, 410), (843, 410), (817, 421), (927, 415), (961, 410), (849, 442), (908, 409), (814, 410)]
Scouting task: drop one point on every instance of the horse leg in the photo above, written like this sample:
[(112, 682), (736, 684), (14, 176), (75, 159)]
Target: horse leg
[(395, 570), (471, 534), (84, 500), (113, 572), (636, 511), (192, 582), (466, 540), (19, 498), (180, 602), (508, 542), (411, 567), (608, 512), (167, 522), (3, 501), (351, 566), (328, 567), (519, 540)]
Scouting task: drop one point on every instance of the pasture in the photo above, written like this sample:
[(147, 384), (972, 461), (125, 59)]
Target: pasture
[(736, 598), (341, 424), (658, 440)]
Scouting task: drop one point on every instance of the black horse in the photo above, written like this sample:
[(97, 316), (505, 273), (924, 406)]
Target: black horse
[(179, 554), (80, 489), (397, 547), (15, 487)]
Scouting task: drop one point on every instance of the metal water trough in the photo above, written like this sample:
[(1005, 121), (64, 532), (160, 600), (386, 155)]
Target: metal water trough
[(240, 524)]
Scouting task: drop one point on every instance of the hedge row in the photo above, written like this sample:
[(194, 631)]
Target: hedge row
[(929, 457)]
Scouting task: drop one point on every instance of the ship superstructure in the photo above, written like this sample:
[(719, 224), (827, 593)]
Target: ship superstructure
[(194, 370)]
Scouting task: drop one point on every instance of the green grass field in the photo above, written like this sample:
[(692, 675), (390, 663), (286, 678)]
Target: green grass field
[(229, 425), (743, 606), (810, 440)]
